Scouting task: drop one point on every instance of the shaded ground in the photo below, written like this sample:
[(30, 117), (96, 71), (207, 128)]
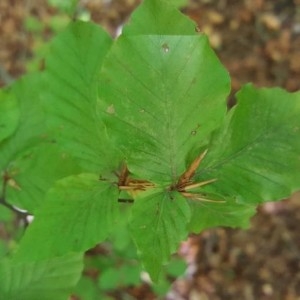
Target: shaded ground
[(259, 42)]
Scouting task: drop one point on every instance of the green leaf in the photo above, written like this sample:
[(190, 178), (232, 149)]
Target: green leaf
[(176, 267), (79, 212), (86, 288), (9, 113), (34, 172), (70, 94), (178, 3), (213, 214), (161, 96), (126, 275), (6, 215), (30, 131), (31, 128), (22, 161), (47, 280), (255, 154), (67, 6), (158, 17), (158, 224)]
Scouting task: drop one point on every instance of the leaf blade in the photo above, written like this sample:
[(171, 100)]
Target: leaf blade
[(70, 81), (31, 129), (33, 172), (159, 17), (158, 235), (213, 214), (167, 101), (48, 279), (83, 208), (255, 159), (9, 113)]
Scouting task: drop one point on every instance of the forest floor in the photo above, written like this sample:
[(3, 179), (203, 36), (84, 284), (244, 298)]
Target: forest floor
[(258, 41)]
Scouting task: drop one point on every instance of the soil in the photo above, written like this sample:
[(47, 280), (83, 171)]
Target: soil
[(258, 41)]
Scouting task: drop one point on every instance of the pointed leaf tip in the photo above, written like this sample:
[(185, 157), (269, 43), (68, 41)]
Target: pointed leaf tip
[(158, 224), (171, 97), (158, 17)]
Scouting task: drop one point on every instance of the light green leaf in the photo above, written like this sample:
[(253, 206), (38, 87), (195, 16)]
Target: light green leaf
[(178, 3), (114, 278), (47, 280), (30, 169), (255, 155), (213, 214), (158, 17), (9, 113), (158, 224), (79, 212), (176, 267), (161, 96), (6, 215), (34, 172), (87, 289), (67, 6), (31, 128), (70, 79)]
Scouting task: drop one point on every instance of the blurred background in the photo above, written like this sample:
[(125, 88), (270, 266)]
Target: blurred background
[(258, 41)]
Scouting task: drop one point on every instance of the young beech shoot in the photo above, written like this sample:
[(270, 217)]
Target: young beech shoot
[(135, 131)]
